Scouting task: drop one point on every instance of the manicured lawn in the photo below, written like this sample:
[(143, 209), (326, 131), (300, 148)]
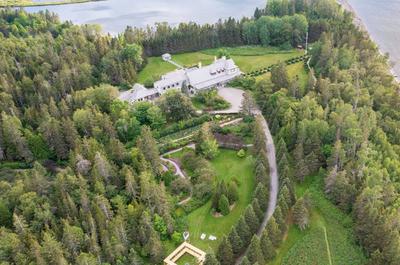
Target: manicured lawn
[(228, 167), (294, 70), (309, 246), (248, 58), (187, 259)]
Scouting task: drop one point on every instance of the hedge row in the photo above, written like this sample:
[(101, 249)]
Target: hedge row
[(269, 68), (164, 148), (182, 125)]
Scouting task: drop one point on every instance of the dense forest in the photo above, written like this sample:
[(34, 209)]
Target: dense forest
[(81, 179), (346, 121)]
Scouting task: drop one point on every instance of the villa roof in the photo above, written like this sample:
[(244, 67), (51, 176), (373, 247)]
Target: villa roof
[(138, 91), (176, 76), (211, 74)]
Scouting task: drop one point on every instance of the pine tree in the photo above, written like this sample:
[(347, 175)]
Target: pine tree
[(251, 219), (243, 231), (211, 260), (267, 248), (280, 77), (235, 241), (255, 254), (225, 253), (232, 192), (148, 146), (273, 232), (261, 194), (301, 214), (280, 220), (257, 209), (223, 205)]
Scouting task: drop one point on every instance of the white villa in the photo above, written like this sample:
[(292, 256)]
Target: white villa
[(217, 74)]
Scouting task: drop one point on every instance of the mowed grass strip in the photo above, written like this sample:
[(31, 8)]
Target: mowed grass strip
[(228, 166), (248, 58)]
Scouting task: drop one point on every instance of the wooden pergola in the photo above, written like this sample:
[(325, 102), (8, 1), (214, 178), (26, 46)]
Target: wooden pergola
[(185, 248)]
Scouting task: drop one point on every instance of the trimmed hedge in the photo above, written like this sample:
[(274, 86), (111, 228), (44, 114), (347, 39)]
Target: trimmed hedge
[(265, 70), (182, 125)]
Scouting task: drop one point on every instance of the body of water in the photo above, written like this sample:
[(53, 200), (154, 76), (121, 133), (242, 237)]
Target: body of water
[(382, 19), (115, 15)]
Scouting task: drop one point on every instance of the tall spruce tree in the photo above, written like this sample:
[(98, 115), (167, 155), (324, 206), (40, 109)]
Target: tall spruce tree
[(225, 253)]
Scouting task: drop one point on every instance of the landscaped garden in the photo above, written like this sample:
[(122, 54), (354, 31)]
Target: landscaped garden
[(228, 167)]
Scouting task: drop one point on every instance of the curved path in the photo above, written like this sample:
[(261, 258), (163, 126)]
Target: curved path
[(178, 170)]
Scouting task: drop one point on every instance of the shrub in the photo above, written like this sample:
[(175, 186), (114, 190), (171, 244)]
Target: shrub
[(241, 153)]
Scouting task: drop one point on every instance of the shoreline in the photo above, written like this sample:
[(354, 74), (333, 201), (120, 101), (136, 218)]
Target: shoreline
[(358, 22)]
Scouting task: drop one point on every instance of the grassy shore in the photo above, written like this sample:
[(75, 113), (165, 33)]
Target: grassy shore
[(25, 3)]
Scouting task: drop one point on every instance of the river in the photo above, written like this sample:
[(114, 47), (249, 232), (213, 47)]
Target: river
[(382, 19), (115, 15)]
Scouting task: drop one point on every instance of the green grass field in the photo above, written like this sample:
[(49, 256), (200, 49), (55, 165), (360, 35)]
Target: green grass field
[(312, 246), (294, 70), (228, 166), (248, 58)]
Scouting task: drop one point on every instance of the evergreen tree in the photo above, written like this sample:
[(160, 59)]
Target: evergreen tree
[(148, 147), (235, 241), (243, 231), (232, 192), (273, 232), (255, 253), (211, 260), (267, 248), (251, 219), (261, 194), (280, 77), (257, 209), (301, 214), (223, 205), (225, 253)]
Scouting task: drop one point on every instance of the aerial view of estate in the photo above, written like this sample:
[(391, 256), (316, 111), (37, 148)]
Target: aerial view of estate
[(242, 132)]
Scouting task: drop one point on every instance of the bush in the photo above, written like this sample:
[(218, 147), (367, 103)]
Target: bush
[(177, 238), (241, 153), (212, 100)]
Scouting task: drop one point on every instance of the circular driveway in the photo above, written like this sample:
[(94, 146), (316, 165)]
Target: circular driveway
[(234, 96)]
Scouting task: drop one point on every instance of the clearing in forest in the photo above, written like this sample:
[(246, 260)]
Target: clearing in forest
[(329, 238)]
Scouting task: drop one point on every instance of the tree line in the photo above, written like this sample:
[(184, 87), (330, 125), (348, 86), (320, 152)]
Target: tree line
[(345, 120)]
